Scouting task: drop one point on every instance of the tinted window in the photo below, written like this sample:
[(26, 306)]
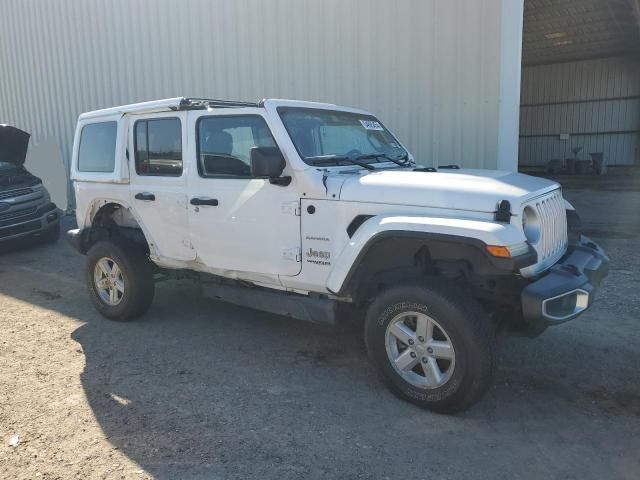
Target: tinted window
[(159, 147), (225, 143), (98, 147)]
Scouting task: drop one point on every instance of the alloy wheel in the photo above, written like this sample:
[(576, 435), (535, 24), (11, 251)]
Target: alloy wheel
[(420, 350), (109, 281)]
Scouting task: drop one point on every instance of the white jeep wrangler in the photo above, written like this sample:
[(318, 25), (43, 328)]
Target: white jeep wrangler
[(310, 210)]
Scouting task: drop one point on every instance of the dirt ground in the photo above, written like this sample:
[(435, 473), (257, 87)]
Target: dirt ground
[(199, 389)]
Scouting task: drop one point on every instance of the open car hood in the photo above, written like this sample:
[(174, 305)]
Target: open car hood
[(13, 145)]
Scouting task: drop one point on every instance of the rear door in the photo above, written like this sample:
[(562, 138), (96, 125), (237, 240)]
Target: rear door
[(158, 181)]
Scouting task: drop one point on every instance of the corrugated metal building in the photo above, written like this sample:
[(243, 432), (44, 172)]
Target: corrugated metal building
[(581, 81), (592, 104), (443, 93), (444, 75)]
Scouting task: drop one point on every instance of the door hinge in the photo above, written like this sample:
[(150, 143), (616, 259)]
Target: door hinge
[(293, 254), (291, 208), (187, 243)]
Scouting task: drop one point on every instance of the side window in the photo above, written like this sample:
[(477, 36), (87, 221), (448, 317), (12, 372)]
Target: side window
[(158, 145), (97, 152), (225, 143)]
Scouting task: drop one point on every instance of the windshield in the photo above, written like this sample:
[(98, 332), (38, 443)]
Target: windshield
[(322, 134)]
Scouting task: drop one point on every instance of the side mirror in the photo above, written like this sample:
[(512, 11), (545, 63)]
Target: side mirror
[(266, 162)]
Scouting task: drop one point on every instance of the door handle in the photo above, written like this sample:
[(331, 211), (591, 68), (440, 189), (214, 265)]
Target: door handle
[(198, 201), (149, 197)]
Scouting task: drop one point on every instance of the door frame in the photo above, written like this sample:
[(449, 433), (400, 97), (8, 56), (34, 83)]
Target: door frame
[(290, 192), (172, 184)]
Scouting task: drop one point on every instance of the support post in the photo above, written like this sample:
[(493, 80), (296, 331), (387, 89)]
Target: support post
[(511, 25)]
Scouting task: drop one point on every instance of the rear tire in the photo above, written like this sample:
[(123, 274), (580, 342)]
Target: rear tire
[(431, 345), (119, 276)]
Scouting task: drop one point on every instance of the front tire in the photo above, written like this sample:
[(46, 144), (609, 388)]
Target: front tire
[(120, 279), (431, 345)]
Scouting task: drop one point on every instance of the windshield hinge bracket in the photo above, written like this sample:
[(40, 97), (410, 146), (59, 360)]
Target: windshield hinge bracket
[(291, 208), (294, 254)]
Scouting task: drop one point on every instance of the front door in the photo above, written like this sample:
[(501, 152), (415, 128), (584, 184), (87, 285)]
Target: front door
[(158, 182), (237, 222)]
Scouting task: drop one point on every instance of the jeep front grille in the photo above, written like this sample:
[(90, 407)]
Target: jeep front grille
[(553, 241), (553, 222)]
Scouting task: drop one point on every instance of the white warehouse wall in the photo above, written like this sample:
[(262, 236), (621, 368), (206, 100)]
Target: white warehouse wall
[(596, 102), (430, 69)]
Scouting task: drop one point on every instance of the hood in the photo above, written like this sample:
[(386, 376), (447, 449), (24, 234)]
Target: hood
[(13, 153), (471, 190), (13, 145)]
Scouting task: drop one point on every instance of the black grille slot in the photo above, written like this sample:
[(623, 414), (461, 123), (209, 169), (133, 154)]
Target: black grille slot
[(18, 229), (18, 213), (18, 216), (16, 193)]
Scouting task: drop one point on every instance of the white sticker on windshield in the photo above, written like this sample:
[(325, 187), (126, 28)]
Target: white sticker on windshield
[(371, 125)]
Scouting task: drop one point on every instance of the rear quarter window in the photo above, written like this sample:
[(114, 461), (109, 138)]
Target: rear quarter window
[(97, 152)]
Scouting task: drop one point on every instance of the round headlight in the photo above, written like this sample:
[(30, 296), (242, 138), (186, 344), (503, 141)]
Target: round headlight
[(531, 225)]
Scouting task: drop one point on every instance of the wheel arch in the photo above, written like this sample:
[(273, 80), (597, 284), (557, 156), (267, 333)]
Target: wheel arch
[(404, 248), (109, 218)]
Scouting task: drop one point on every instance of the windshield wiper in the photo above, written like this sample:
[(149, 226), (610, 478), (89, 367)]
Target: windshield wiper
[(402, 160), (335, 159)]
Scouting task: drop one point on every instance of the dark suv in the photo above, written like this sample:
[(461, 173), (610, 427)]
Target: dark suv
[(26, 208)]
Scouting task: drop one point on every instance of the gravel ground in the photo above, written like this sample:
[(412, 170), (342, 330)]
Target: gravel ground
[(199, 389)]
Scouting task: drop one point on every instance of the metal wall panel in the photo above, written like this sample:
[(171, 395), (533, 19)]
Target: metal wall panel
[(428, 68), (597, 102)]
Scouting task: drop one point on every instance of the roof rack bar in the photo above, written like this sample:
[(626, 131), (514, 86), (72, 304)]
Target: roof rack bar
[(173, 104), (204, 103)]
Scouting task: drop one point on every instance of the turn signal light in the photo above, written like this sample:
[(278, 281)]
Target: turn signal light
[(500, 252)]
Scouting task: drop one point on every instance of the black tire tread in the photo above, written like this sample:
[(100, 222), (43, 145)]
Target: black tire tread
[(139, 279), (482, 330)]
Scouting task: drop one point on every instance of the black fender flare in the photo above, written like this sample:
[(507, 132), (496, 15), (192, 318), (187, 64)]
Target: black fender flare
[(441, 247)]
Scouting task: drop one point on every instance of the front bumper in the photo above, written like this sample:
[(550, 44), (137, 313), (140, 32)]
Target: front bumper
[(41, 221), (567, 289)]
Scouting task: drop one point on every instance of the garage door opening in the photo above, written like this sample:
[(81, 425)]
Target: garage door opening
[(580, 97)]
